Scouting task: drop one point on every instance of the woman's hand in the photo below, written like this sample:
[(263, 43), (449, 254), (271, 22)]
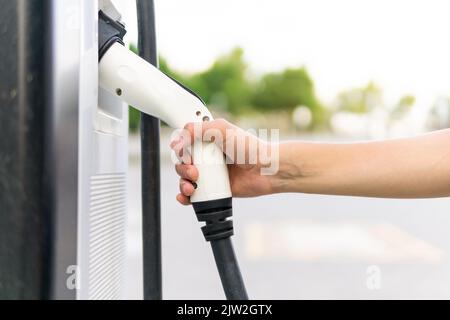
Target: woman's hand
[(245, 175)]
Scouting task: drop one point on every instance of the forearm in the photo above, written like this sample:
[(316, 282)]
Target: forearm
[(402, 168)]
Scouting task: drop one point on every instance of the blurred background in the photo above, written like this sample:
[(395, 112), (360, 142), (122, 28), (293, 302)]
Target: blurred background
[(321, 70)]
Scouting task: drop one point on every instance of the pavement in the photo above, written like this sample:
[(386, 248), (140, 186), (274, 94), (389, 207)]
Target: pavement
[(297, 246)]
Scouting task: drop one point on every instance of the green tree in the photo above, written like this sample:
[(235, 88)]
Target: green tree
[(287, 90), (360, 100), (164, 67), (225, 84), (403, 106)]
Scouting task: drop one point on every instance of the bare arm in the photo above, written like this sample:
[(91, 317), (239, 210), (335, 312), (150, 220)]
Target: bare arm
[(416, 167), (402, 168)]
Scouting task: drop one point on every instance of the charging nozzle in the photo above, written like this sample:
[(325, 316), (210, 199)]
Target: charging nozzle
[(146, 88)]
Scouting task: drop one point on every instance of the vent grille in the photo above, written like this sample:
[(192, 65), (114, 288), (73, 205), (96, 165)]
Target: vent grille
[(107, 235)]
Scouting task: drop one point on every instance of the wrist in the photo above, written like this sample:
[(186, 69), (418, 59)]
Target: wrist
[(288, 168)]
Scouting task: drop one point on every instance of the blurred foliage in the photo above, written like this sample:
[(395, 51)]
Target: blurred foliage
[(360, 100), (134, 119), (439, 116), (223, 86), (286, 91), (227, 87), (133, 114), (403, 106)]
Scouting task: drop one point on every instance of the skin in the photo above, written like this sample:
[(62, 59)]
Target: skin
[(417, 167)]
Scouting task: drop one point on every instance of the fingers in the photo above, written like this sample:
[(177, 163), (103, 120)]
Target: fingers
[(187, 171), (187, 188), (188, 174), (181, 151), (209, 131), (181, 198)]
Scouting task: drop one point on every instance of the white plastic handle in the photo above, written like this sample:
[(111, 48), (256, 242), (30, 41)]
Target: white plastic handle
[(213, 182)]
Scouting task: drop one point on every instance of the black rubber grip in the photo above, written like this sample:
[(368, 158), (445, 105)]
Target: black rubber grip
[(215, 214)]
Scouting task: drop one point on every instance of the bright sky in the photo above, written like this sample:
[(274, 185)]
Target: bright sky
[(402, 45)]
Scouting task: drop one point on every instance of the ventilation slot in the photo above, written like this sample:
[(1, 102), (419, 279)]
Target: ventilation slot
[(107, 235)]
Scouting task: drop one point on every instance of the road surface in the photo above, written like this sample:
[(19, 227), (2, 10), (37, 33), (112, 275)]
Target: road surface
[(297, 246)]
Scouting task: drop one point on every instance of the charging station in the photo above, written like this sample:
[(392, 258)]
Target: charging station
[(67, 80), (64, 157)]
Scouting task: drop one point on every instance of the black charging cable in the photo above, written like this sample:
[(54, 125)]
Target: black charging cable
[(218, 230), (150, 164)]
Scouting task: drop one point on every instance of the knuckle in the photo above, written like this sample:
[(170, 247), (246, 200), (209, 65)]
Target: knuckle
[(189, 127), (180, 169), (221, 123)]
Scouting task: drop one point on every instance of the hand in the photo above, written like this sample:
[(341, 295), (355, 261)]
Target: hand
[(246, 179), (416, 167)]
